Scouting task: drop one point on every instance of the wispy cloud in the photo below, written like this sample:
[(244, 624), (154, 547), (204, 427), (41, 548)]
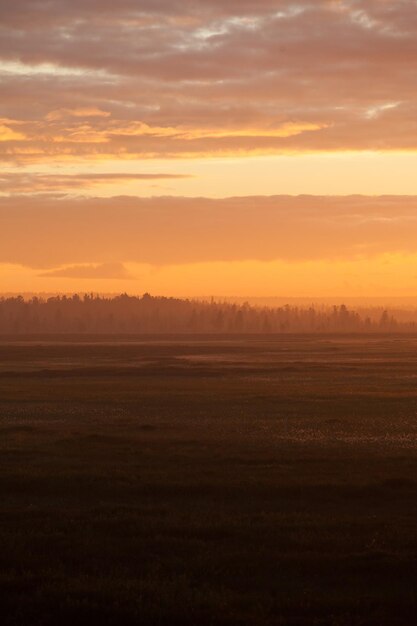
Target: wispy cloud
[(12, 182)]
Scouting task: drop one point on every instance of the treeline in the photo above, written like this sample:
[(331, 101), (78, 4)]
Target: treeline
[(148, 314)]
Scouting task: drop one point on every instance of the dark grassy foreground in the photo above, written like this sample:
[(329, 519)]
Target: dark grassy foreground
[(234, 482)]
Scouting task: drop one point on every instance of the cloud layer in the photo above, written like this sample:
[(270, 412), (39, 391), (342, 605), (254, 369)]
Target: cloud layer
[(50, 232), (164, 78)]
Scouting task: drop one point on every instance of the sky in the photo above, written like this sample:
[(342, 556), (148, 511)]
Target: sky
[(204, 147)]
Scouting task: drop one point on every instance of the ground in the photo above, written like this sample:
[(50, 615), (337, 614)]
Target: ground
[(235, 481)]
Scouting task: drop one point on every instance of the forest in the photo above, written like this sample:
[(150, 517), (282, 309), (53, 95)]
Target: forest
[(90, 313)]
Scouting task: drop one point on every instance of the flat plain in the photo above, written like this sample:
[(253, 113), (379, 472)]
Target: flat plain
[(208, 481)]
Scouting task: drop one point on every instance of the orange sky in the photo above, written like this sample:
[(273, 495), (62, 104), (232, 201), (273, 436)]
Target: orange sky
[(153, 146)]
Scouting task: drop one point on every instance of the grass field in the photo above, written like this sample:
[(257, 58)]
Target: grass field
[(209, 482)]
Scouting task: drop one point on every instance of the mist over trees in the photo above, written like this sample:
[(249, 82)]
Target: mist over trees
[(148, 314)]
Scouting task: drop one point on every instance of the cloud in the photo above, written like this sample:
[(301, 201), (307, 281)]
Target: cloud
[(8, 134), (80, 112), (12, 182), (164, 78), (47, 232), (105, 271)]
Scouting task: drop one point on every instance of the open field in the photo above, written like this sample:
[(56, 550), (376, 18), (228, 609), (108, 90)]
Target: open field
[(186, 482)]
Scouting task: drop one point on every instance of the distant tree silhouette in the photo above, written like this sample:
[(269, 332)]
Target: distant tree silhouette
[(148, 314)]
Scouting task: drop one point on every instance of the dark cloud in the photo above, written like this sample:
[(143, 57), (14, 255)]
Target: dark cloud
[(46, 232)]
